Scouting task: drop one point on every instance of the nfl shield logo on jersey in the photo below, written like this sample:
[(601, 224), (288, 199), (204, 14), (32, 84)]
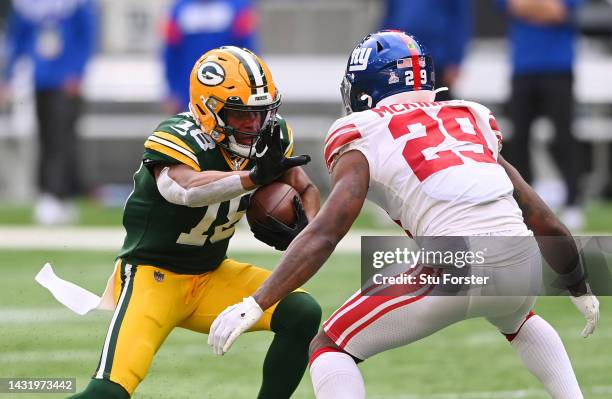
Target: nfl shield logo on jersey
[(159, 276)]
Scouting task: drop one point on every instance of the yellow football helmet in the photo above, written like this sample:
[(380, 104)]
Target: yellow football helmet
[(232, 80)]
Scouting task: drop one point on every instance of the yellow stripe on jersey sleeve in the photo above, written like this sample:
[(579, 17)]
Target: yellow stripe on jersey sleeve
[(289, 150), (172, 153), (174, 139)]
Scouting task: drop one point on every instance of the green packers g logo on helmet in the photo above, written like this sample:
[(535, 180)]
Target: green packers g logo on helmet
[(211, 74)]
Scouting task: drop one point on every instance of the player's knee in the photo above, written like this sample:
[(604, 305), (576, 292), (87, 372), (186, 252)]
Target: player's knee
[(310, 314), (321, 341), (102, 389), (297, 312)]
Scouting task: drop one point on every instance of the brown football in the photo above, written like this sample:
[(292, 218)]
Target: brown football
[(274, 199)]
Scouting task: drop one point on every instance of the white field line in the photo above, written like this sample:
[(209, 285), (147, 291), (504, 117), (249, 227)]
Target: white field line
[(111, 238), (105, 238)]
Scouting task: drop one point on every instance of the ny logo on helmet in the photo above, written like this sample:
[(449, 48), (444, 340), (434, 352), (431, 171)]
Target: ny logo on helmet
[(211, 74), (360, 58)]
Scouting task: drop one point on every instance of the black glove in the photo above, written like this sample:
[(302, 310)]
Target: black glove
[(276, 233), (270, 161)]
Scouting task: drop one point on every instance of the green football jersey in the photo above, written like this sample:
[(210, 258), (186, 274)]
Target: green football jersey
[(180, 238)]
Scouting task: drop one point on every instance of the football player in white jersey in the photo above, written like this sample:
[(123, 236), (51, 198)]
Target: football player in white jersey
[(435, 168)]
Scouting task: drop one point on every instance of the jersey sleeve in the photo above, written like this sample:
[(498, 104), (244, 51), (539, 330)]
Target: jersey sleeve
[(344, 135), (286, 136), (487, 123), (170, 143), (495, 128)]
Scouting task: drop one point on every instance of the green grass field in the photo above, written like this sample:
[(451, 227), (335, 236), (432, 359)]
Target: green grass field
[(469, 360)]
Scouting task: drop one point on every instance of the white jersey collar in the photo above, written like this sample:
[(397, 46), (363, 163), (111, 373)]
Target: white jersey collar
[(409, 97)]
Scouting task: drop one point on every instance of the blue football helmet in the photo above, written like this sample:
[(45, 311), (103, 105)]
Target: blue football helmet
[(385, 63)]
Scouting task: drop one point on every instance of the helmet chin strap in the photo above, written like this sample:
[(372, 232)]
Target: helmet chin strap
[(232, 144), (239, 149)]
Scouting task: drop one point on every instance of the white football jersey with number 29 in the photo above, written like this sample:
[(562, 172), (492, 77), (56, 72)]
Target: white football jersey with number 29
[(433, 166)]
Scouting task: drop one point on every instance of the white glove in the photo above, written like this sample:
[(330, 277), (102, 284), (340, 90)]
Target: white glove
[(232, 322), (588, 305)]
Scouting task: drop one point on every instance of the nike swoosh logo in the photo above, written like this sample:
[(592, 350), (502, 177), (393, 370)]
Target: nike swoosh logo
[(261, 154)]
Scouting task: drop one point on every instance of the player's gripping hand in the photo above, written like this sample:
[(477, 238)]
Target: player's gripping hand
[(588, 305), (232, 322), (270, 161), (276, 233)]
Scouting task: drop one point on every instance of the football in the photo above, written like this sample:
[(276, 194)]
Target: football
[(274, 199)]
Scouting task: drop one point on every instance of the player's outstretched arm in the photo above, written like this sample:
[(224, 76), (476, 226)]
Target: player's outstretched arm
[(305, 255), (557, 245), (538, 216), (308, 252), (555, 240), (181, 185)]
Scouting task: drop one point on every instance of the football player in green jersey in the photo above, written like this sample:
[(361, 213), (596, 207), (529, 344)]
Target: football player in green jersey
[(193, 186)]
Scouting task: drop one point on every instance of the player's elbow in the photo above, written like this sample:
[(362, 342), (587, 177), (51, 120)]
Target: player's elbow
[(194, 199), (182, 197), (552, 226), (324, 240), (326, 244), (332, 238), (177, 194), (558, 229), (195, 192)]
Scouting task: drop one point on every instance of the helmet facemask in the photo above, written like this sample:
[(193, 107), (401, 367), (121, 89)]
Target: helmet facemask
[(243, 125), (345, 91)]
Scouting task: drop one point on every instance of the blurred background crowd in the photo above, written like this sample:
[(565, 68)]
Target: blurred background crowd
[(84, 82)]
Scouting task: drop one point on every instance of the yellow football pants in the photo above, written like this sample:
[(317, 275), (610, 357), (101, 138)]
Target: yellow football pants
[(152, 301)]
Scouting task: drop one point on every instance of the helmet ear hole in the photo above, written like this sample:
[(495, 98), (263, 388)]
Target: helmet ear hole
[(200, 109), (379, 46), (366, 98)]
